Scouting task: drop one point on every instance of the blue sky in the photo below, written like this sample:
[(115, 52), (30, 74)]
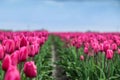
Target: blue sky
[(60, 15)]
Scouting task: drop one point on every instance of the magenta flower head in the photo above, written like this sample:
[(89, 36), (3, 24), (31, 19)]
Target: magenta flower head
[(106, 46), (23, 42), (9, 45), (86, 44), (6, 62), (17, 42), (1, 52), (101, 47), (118, 51), (12, 73), (86, 50), (81, 57), (37, 48), (31, 51), (109, 54), (114, 46), (23, 54), (95, 47), (30, 69), (14, 58)]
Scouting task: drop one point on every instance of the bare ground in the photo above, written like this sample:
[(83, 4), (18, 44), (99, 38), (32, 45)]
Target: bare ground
[(57, 71)]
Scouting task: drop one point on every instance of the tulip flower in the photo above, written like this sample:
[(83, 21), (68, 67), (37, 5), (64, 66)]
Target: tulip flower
[(14, 58), (42, 41), (9, 45), (12, 74), (37, 48), (101, 47), (86, 50), (17, 42), (1, 52), (31, 51), (86, 44), (6, 62), (114, 46), (81, 57), (30, 69), (118, 42), (23, 42), (118, 51), (96, 47), (106, 46), (109, 54), (23, 54)]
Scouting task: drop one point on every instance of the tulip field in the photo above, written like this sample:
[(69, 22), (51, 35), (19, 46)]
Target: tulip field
[(43, 55)]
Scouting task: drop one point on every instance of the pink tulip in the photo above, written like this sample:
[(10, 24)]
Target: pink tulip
[(23, 54), (114, 47), (14, 58), (12, 74), (96, 47), (34, 49), (42, 40), (1, 52), (31, 51), (17, 42), (6, 62), (78, 45), (37, 48), (118, 51), (81, 57), (30, 69), (101, 47), (86, 50), (118, 42), (9, 45), (23, 42), (106, 46), (86, 44), (109, 54)]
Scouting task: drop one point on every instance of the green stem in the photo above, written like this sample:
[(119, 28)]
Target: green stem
[(104, 64)]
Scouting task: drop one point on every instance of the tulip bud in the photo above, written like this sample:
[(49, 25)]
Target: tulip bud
[(30, 69), (86, 44), (42, 41), (78, 45), (86, 50), (14, 58), (109, 54), (12, 74), (17, 42), (1, 52), (118, 51), (31, 51), (23, 42), (118, 42), (6, 62), (114, 47), (101, 47), (81, 57), (37, 48), (23, 54), (106, 46), (9, 45), (96, 48)]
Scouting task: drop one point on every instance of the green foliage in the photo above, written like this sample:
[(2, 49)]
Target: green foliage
[(42, 61), (95, 67)]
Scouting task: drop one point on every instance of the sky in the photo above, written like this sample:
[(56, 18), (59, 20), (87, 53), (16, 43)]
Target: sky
[(60, 15)]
